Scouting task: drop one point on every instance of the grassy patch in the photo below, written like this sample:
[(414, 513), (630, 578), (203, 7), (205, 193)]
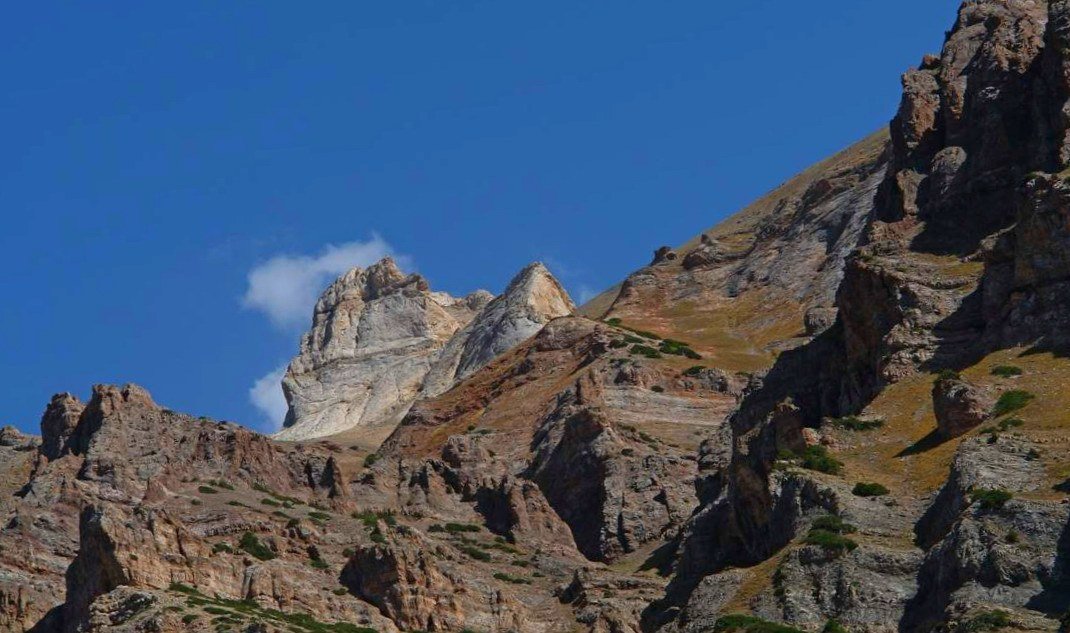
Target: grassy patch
[(869, 489), (830, 541), (833, 523), (991, 498), (988, 621), (1006, 371), (854, 423), (1011, 401), (834, 626), (252, 545), (678, 348)]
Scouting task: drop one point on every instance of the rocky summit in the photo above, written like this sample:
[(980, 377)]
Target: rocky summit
[(841, 409), (381, 339)]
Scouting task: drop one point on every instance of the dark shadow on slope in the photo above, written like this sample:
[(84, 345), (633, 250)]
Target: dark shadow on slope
[(927, 443)]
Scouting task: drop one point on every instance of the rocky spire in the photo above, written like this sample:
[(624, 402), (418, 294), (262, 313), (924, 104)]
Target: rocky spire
[(532, 299), (381, 339)]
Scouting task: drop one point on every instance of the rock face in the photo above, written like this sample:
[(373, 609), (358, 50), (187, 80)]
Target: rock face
[(959, 406), (531, 300), (381, 339)]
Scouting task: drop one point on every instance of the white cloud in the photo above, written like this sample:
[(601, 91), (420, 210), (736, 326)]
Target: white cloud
[(584, 294), (286, 287), (266, 395)]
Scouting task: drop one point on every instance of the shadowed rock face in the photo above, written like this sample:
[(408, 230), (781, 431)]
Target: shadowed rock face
[(380, 340)]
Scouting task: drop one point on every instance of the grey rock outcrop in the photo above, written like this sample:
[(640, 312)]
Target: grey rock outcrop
[(959, 406), (532, 299), (381, 339)]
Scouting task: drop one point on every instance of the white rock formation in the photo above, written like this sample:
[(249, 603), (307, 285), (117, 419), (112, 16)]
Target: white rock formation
[(381, 339), (533, 298)]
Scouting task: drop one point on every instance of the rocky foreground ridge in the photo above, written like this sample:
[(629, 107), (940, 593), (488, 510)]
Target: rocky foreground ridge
[(843, 409)]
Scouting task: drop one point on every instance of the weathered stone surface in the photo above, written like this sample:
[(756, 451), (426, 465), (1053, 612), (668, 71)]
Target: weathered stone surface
[(959, 406), (380, 340)]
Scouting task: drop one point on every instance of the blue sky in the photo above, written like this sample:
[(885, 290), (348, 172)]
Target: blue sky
[(159, 157)]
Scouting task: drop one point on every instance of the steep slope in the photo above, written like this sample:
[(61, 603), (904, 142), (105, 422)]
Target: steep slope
[(381, 339), (966, 529), (765, 278)]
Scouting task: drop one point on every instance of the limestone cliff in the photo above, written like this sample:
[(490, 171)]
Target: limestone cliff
[(381, 339)]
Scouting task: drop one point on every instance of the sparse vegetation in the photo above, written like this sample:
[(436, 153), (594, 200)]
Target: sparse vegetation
[(854, 423), (222, 547), (869, 489), (644, 350), (516, 580), (834, 626), (1006, 371), (252, 546), (833, 523), (460, 528), (991, 498), (207, 490), (989, 621), (739, 623), (1011, 401), (474, 552), (828, 532), (219, 483), (818, 458), (677, 348), (370, 459), (830, 541), (238, 611), (319, 517), (948, 374), (270, 502), (694, 370)]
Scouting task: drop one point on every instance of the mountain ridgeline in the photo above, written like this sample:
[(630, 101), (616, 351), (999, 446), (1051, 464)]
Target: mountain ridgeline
[(841, 409)]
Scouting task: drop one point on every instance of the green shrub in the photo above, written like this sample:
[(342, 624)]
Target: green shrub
[(475, 552), (340, 591), (222, 547), (833, 626), (370, 460), (252, 545), (219, 483), (854, 423), (818, 458), (318, 516), (1011, 401), (739, 623), (516, 580), (657, 389), (1010, 423), (459, 528), (947, 374), (319, 563), (694, 370), (270, 502), (1012, 536), (189, 618), (833, 523), (1006, 371), (618, 343), (830, 541), (236, 504), (677, 348), (869, 489), (615, 322), (644, 350), (348, 552), (991, 498), (207, 490), (989, 621)]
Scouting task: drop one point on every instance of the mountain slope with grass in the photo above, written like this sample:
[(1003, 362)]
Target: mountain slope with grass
[(842, 409)]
